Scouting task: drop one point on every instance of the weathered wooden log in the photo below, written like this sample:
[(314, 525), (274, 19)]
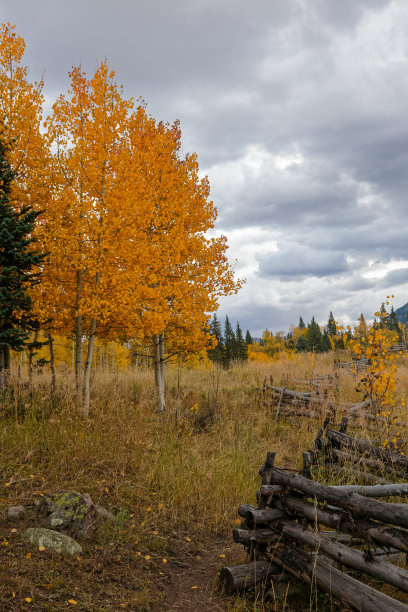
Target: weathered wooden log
[(242, 577), (332, 581), (254, 517), (343, 440), (290, 393), (255, 536), (296, 412), (353, 455), (335, 518), (345, 555), (366, 477), (307, 465), (394, 514), (244, 508), (379, 490)]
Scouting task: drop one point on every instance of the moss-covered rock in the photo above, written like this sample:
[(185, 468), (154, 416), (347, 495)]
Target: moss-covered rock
[(74, 513), (52, 540)]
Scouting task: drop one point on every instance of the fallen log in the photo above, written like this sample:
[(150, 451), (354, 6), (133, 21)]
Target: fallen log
[(242, 577), (332, 581), (350, 557), (394, 514)]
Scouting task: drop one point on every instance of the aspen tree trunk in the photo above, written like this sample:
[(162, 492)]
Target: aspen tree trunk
[(78, 341), (91, 343), (52, 362), (87, 373), (162, 362), (161, 406)]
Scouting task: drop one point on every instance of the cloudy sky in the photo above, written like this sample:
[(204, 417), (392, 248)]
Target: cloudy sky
[(297, 110)]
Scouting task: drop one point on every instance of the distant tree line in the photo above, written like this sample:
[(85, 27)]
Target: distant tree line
[(231, 346)]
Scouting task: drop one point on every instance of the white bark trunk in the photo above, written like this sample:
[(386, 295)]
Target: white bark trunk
[(158, 377), (87, 373), (78, 341)]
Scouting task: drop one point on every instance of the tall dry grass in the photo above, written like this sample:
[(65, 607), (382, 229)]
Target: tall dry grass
[(187, 470)]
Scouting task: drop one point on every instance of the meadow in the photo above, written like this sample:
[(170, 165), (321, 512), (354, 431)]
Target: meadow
[(174, 482)]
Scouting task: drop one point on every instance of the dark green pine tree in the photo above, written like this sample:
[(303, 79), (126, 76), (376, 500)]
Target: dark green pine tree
[(230, 342), (301, 323), (326, 344), (241, 345), (392, 323), (248, 338), (18, 261), (314, 336), (383, 317), (302, 344), (331, 325), (217, 354)]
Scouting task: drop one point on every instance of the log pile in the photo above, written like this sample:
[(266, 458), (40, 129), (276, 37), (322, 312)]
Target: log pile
[(353, 366), (313, 532), (288, 403), (355, 457)]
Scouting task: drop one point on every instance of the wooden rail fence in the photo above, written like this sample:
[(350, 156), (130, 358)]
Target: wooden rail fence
[(313, 532), (354, 457), (288, 403)]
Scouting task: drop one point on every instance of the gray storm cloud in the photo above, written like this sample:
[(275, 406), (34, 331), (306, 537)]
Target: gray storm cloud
[(297, 111)]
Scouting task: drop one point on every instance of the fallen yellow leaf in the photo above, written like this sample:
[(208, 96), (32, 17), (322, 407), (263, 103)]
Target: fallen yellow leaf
[(27, 599), (41, 548), (72, 601), (28, 556)]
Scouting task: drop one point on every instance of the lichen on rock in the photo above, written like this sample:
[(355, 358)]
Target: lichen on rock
[(68, 511)]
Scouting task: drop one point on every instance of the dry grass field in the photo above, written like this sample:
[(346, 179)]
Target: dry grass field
[(174, 482)]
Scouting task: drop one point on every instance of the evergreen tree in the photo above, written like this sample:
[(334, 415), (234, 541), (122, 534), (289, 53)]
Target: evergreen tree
[(383, 317), (302, 344), (392, 322), (301, 323), (17, 261), (331, 325), (248, 338), (326, 344), (241, 345), (314, 336), (217, 354), (230, 341)]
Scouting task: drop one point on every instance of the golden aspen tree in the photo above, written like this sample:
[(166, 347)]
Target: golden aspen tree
[(21, 105), (87, 129), (186, 271)]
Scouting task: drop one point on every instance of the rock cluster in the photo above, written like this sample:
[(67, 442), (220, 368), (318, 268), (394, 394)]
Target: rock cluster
[(63, 515)]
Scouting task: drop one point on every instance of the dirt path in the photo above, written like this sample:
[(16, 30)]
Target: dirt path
[(191, 585)]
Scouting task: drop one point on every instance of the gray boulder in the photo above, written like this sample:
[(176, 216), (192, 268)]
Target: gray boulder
[(52, 540), (15, 513)]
